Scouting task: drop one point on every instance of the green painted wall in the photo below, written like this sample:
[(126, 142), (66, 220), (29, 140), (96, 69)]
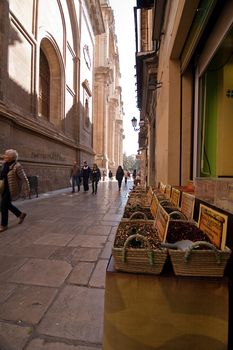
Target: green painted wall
[(210, 141)]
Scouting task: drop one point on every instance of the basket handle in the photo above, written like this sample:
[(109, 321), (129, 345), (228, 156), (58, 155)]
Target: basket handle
[(177, 212), (206, 244), (138, 212), (149, 250), (165, 201)]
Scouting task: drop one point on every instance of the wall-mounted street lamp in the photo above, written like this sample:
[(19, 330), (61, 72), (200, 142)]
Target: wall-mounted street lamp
[(134, 124)]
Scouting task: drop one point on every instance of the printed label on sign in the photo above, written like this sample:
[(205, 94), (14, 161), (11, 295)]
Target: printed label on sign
[(154, 206), (161, 223), (187, 205), (168, 191), (150, 195), (214, 224), (175, 197)]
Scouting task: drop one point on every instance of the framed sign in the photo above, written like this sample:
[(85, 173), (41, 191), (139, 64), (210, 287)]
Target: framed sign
[(187, 205), (175, 197), (168, 190), (214, 224), (162, 187), (154, 206), (162, 222), (150, 194)]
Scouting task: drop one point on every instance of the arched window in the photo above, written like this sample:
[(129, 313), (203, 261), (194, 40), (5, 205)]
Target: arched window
[(44, 89)]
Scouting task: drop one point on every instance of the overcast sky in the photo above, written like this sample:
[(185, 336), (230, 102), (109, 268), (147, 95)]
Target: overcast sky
[(125, 32)]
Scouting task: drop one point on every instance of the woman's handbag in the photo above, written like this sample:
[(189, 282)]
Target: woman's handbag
[(1, 186)]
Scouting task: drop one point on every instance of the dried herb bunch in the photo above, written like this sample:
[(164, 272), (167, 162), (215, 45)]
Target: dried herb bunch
[(175, 213), (179, 230), (135, 200), (125, 229), (130, 209)]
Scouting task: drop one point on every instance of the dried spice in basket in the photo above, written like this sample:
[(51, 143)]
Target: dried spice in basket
[(176, 213), (181, 230), (129, 210), (145, 229)]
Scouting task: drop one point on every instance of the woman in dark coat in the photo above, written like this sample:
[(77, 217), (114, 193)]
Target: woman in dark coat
[(85, 174), (119, 176), (95, 177)]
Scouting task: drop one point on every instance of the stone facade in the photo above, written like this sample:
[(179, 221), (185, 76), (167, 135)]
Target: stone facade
[(46, 84), (108, 106)]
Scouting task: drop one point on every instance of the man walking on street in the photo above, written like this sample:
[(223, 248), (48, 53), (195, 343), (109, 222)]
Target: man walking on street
[(85, 173), (75, 176), (95, 177)]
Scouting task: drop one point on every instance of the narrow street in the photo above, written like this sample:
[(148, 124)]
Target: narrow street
[(52, 271)]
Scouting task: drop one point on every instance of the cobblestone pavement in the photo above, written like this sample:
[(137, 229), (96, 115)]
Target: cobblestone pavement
[(52, 269)]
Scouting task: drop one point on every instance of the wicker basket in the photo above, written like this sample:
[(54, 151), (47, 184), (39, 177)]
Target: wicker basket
[(137, 215), (139, 260), (210, 262), (130, 210)]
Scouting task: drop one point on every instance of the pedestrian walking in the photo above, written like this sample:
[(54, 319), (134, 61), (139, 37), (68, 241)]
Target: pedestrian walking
[(14, 178), (75, 175), (85, 174), (110, 174), (119, 176), (95, 178), (126, 176)]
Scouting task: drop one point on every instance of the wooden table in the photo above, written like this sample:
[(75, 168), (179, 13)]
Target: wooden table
[(166, 312)]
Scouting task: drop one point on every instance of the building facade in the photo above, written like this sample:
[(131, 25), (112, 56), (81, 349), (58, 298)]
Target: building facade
[(108, 105), (46, 84), (184, 73)]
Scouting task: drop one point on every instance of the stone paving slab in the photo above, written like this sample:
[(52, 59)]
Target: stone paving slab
[(64, 254), (85, 254), (111, 237), (27, 304), (55, 239), (13, 337), (88, 241), (8, 265), (58, 226), (81, 273), (42, 272), (76, 314), (31, 251), (99, 274), (99, 230), (110, 223), (107, 251), (112, 217), (6, 289), (42, 344)]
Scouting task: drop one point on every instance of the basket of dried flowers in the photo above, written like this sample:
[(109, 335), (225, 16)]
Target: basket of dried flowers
[(138, 200), (131, 209), (137, 248), (137, 215), (192, 251), (175, 213)]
